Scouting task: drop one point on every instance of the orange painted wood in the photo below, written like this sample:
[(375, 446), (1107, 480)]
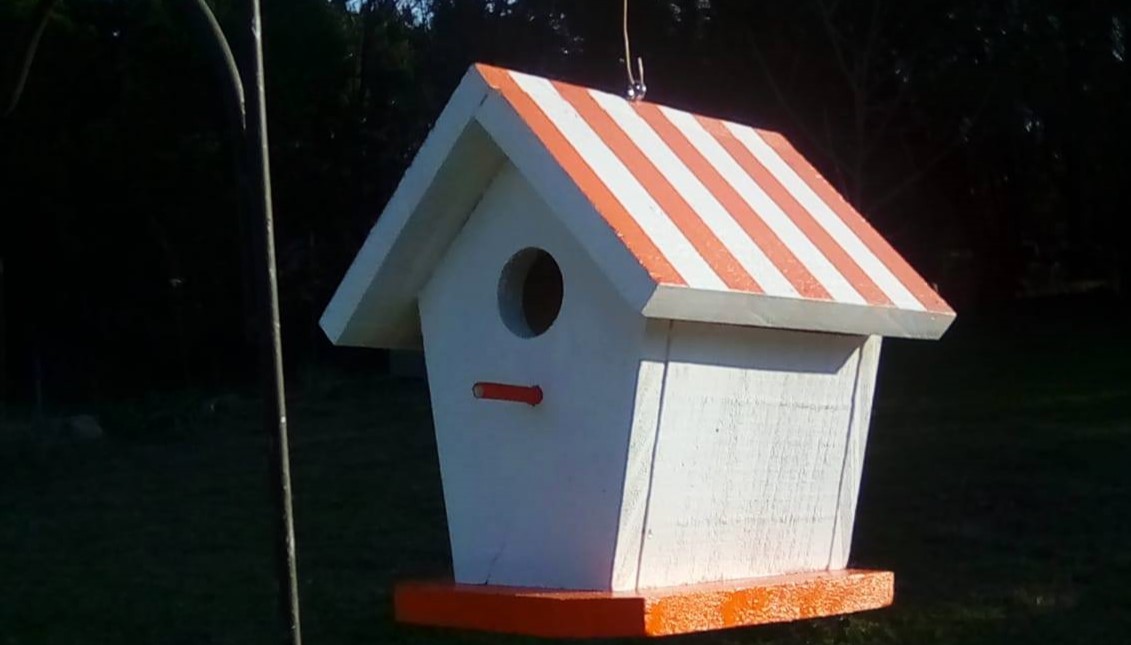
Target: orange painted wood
[(743, 214), (681, 213), (654, 612), (528, 394), (801, 217), (615, 213), (880, 247)]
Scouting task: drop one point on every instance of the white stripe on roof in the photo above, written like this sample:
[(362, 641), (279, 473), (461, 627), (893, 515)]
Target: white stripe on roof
[(628, 191), (752, 259), (775, 218), (876, 270)]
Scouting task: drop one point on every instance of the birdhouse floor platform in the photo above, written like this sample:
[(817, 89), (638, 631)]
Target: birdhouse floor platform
[(653, 612)]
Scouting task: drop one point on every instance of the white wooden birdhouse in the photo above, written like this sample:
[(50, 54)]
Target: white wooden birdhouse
[(651, 339)]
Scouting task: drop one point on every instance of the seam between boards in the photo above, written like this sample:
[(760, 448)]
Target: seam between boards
[(655, 447)]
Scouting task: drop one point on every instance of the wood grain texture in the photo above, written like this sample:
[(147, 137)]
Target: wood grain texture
[(749, 451), (533, 494), (682, 610)]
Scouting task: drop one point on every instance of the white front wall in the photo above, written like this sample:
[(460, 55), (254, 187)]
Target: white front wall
[(533, 494)]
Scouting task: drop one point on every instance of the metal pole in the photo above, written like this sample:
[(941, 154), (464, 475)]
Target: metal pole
[(268, 295), (249, 129)]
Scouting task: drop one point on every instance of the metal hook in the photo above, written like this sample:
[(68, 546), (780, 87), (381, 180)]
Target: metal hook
[(636, 87)]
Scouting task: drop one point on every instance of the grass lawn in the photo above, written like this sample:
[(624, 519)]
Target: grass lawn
[(998, 488)]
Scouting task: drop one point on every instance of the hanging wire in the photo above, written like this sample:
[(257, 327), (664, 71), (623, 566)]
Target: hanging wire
[(636, 87)]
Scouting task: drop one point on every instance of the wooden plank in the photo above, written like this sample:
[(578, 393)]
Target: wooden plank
[(374, 304), (853, 469), (657, 613), (749, 452), (641, 453), (533, 493), (738, 308)]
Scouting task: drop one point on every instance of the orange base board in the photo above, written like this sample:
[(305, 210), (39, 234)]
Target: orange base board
[(653, 612)]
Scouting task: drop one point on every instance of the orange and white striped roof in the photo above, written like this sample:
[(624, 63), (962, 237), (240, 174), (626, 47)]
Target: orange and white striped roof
[(708, 207), (710, 204)]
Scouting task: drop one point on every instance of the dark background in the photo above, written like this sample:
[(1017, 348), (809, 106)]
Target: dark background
[(986, 140)]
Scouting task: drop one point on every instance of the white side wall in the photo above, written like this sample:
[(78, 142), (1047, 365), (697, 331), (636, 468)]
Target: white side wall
[(757, 455), (533, 494)]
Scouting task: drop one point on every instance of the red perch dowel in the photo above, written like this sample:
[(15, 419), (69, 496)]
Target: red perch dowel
[(531, 395)]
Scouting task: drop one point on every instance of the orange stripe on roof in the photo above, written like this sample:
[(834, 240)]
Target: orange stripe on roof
[(709, 247), (591, 185), (860, 226), (761, 234), (820, 238)]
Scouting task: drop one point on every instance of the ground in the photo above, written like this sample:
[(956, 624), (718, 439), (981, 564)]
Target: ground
[(996, 488)]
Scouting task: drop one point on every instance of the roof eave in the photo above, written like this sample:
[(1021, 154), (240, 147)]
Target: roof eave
[(375, 304), (755, 310)]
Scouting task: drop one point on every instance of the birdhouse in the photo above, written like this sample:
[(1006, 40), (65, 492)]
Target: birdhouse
[(651, 339)]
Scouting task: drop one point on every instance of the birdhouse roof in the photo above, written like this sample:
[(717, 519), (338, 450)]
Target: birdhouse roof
[(689, 217)]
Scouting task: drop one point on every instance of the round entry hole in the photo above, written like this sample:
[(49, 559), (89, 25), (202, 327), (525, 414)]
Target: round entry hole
[(530, 292)]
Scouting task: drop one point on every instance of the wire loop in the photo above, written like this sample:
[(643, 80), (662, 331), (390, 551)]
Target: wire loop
[(636, 86)]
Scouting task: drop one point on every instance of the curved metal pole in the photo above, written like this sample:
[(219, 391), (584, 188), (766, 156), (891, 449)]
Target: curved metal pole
[(248, 124), (39, 23), (228, 72)]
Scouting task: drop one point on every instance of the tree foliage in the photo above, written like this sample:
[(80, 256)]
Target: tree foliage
[(985, 139)]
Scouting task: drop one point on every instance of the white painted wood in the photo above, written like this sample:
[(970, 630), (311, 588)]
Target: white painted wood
[(749, 450), (830, 221), (853, 469), (374, 305), (476, 133), (738, 308), (767, 209), (566, 200), (641, 453), (688, 434), (740, 245), (533, 494), (636, 199), (665, 453)]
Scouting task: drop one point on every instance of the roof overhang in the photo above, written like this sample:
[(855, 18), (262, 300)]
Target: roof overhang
[(477, 132), (735, 308), (375, 304)]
